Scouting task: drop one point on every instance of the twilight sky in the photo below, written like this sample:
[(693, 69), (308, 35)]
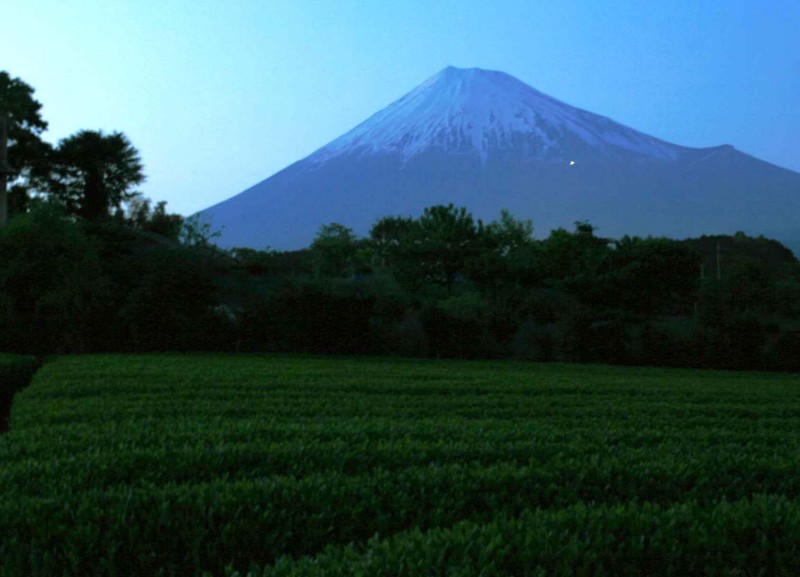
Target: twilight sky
[(219, 94)]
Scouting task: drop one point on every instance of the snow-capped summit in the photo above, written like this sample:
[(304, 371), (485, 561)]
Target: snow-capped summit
[(487, 141), (483, 112)]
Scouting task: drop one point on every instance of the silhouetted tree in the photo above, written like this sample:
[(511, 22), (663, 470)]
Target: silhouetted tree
[(437, 248), (93, 173), (142, 216), (506, 254), (387, 234), (334, 250), (197, 231), (27, 154)]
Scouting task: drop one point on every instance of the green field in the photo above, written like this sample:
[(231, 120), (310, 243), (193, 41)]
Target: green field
[(182, 465)]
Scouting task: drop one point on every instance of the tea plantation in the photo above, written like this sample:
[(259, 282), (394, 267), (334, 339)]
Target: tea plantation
[(261, 466)]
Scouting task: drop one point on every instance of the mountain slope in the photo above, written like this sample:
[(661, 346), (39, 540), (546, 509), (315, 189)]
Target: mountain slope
[(487, 141), (485, 112)]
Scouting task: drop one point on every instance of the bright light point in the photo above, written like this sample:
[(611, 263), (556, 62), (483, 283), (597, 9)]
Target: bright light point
[(571, 162)]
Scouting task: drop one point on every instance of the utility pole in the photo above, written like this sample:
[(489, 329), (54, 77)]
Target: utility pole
[(719, 270), (4, 169)]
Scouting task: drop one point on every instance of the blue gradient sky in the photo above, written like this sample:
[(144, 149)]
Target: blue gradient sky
[(218, 95)]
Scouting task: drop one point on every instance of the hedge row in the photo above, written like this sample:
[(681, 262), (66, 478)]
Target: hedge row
[(178, 465), (758, 536)]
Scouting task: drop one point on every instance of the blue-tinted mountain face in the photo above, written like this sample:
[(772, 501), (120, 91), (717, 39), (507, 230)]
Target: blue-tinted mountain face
[(487, 141)]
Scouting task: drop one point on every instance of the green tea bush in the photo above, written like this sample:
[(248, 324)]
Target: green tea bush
[(191, 464), (758, 536)]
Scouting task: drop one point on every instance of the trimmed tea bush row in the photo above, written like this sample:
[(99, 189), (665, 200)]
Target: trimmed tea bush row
[(758, 536), (180, 465)]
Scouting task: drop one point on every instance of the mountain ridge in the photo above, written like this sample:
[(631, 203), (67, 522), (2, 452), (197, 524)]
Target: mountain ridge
[(487, 141)]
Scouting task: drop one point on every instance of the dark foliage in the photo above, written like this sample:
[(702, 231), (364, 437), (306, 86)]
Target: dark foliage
[(92, 173), (26, 151), (306, 317), (77, 286), (72, 285), (16, 373)]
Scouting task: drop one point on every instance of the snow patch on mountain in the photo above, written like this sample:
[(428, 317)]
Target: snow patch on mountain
[(474, 111)]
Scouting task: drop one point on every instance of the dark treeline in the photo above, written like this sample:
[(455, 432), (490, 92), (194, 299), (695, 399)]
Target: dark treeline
[(88, 264), (441, 285)]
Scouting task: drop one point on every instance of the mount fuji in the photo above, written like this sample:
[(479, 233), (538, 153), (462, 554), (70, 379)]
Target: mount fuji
[(487, 141)]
